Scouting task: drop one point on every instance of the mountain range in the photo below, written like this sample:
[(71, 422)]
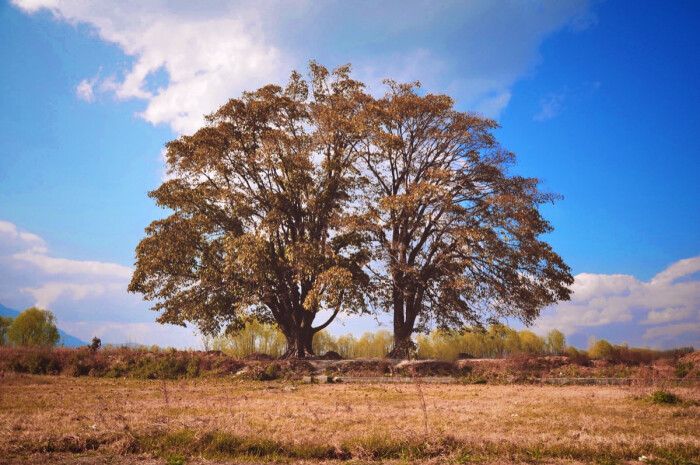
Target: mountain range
[(66, 339)]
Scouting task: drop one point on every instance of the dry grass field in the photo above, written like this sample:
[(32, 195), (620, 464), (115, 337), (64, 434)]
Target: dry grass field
[(55, 417)]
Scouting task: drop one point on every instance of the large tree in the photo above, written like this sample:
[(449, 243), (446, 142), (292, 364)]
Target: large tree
[(458, 238), (258, 199)]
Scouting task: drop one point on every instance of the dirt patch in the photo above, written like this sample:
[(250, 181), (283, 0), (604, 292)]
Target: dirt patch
[(693, 357)]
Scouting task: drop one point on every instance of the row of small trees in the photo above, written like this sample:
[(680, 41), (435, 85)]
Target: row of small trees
[(498, 341)]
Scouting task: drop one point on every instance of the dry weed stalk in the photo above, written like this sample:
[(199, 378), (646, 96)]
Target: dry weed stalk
[(417, 383)]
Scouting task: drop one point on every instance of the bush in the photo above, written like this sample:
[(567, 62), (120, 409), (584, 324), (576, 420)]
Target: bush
[(664, 397), (77, 365), (600, 349), (578, 357), (271, 372), (168, 366), (37, 363), (683, 369), (84, 361)]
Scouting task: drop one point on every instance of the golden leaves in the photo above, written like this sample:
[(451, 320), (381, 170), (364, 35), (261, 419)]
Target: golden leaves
[(286, 194)]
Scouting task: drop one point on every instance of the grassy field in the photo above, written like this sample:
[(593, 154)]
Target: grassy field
[(220, 419)]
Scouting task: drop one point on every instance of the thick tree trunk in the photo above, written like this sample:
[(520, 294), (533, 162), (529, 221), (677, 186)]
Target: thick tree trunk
[(404, 346), (299, 343), (404, 320)]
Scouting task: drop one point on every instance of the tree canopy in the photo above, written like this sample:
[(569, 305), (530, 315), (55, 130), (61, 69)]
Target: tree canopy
[(5, 322), (34, 327), (317, 198), (259, 197), (458, 238)]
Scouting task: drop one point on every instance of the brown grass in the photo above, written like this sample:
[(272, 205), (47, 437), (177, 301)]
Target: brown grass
[(223, 419)]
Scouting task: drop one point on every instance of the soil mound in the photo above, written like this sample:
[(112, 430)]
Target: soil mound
[(332, 355), (426, 368)]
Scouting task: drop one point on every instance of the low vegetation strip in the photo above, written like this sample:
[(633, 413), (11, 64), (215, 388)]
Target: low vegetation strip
[(123, 362), (217, 445), (238, 420)]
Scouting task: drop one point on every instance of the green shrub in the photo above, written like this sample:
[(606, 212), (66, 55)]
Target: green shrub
[(272, 371), (118, 370), (175, 460), (193, 367), (683, 369), (664, 397)]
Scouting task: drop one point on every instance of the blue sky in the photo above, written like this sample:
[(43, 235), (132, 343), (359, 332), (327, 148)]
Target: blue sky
[(598, 99)]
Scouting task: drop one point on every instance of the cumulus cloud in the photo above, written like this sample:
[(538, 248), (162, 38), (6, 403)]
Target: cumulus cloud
[(672, 331), (49, 292), (672, 296), (88, 297), (12, 234), (210, 52), (52, 265)]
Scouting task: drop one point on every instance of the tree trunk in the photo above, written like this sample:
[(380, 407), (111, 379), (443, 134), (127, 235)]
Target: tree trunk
[(299, 343), (404, 319), (404, 347)]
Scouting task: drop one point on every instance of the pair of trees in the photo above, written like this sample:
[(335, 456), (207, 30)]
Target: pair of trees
[(32, 327), (319, 197)]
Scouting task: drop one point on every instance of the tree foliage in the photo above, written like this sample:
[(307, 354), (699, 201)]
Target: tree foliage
[(318, 196), (34, 327), (600, 349), (253, 338), (458, 237), (259, 197), (555, 342), (5, 322)]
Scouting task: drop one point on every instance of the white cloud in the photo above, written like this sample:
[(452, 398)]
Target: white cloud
[(89, 298), (207, 53), (672, 331), (493, 106), (12, 233), (668, 314), (84, 90), (673, 295), (51, 265), (24, 257), (49, 292), (678, 270), (550, 106)]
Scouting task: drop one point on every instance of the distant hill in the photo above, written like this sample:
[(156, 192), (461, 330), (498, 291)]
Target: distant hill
[(66, 339)]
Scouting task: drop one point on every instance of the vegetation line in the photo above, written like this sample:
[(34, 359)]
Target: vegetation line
[(219, 445)]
